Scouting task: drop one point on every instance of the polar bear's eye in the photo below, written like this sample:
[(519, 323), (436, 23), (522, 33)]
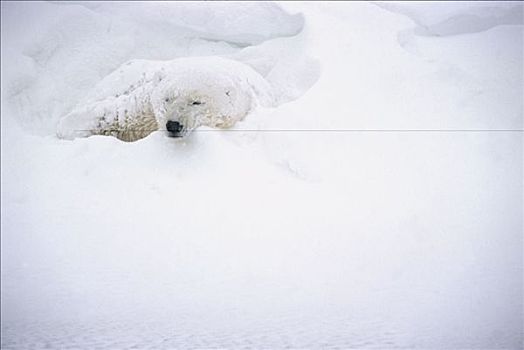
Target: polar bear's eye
[(196, 103), (167, 99)]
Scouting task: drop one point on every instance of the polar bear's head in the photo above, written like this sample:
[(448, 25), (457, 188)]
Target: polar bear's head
[(182, 103)]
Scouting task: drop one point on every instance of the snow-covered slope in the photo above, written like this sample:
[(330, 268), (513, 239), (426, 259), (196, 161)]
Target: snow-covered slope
[(457, 17), (294, 229)]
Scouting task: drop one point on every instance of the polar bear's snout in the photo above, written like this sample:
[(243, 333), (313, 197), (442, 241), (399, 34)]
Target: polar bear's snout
[(174, 128)]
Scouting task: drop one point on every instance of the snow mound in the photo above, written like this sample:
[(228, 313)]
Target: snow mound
[(453, 18), (245, 24)]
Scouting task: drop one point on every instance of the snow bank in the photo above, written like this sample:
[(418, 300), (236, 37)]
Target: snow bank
[(458, 17), (243, 24)]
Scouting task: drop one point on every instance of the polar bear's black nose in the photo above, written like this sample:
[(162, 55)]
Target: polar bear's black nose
[(174, 127)]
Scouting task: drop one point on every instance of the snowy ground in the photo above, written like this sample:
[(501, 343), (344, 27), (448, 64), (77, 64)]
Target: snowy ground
[(281, 239)]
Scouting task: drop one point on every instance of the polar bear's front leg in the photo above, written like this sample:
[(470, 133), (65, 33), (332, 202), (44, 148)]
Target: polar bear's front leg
[(128, 118)]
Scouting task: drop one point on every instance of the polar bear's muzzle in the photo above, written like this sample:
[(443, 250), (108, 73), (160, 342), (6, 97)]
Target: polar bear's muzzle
[(174, 128)]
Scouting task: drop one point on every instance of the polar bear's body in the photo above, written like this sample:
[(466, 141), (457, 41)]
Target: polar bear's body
[(142, 96)]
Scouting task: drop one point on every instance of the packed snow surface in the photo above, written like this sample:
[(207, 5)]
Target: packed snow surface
[(303, 226)]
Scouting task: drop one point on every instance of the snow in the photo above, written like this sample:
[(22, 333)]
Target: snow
[(293, 237), (457, 17)]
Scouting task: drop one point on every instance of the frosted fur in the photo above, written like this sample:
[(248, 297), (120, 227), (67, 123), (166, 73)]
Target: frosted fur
[(141, 96)]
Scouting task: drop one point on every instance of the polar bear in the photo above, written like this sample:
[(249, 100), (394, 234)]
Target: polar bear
[(174, 96)]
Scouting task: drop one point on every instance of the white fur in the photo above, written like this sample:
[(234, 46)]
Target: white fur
[(141, 96)]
